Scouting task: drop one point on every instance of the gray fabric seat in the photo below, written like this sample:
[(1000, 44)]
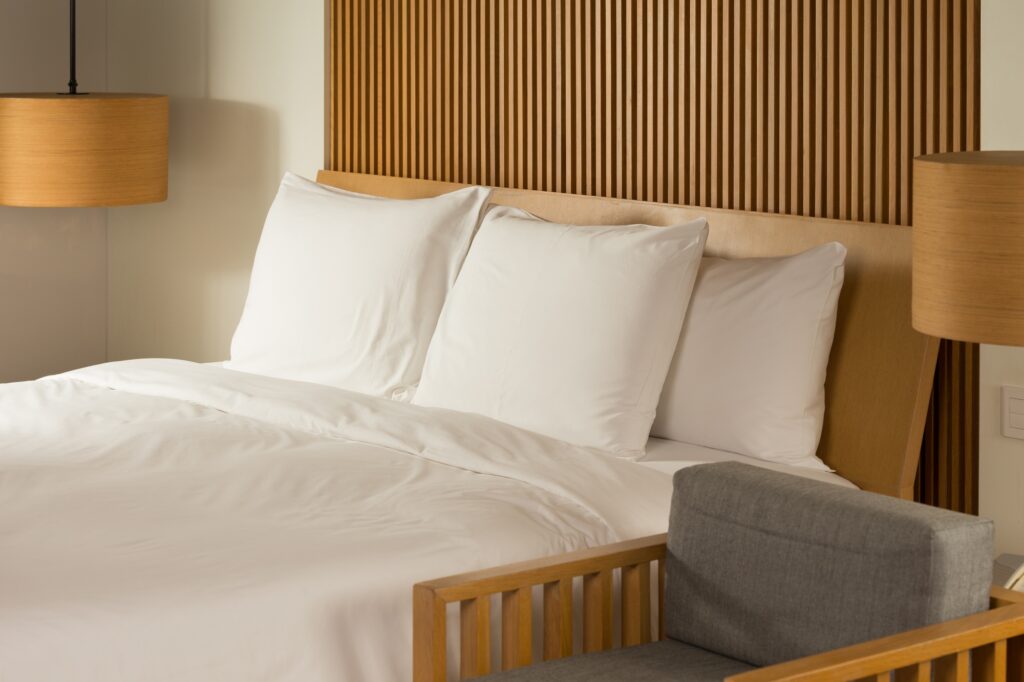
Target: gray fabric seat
[(765, 567), (664, 661)]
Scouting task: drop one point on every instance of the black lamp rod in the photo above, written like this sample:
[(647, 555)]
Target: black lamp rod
[(73, 83)]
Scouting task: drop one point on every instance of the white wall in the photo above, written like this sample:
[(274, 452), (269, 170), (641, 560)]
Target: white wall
[(246, 82), (53, 268), (1001, 493)]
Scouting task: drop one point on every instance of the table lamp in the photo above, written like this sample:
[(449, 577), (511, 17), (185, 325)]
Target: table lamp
[(968, 246), (82, 149)]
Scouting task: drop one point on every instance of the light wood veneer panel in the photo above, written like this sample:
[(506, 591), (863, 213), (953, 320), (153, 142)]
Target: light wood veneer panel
[(803, 107)]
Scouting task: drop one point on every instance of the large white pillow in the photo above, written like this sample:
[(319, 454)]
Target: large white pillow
[(564, 330), (346, 289), (749, 373)]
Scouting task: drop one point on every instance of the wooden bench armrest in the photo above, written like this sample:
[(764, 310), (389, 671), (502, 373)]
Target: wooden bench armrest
[(515, 583), (539, 571), (987, 641), (1000, 596), (983, 642)]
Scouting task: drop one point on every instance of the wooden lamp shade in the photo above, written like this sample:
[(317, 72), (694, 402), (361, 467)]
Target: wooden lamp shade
[(83, 150), (968, 246)]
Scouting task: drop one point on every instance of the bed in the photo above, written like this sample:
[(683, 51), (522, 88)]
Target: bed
[(166, 520)]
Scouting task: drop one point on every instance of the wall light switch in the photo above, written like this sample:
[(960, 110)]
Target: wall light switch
[(1013, 412)]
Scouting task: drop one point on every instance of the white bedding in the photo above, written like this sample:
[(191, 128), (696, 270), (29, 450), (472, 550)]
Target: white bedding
[(670, 456), (163, 520)]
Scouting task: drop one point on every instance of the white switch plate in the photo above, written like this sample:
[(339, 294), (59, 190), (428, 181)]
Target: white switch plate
[(1013, 412)]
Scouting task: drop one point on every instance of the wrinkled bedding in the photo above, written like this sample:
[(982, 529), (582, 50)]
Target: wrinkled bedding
[(165, 520)]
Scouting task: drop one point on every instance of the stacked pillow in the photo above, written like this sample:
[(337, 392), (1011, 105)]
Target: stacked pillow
[(562, 329), (582, 333), (749, 371)]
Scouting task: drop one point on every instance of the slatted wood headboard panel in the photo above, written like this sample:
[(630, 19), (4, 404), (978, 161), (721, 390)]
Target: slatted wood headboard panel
[(809, 107)]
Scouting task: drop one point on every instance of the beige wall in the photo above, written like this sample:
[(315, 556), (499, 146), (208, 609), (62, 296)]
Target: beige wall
[(246, 82), (1002, 127), (53, 268)]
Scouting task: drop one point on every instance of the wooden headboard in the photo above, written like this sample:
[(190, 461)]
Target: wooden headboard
[(880, 372), (806, 107)]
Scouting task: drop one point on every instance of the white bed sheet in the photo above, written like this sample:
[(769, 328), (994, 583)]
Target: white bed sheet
[(164, 520), (669, 456)]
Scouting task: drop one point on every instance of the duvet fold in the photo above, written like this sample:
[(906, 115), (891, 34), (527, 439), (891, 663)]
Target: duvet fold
[(165, 520)]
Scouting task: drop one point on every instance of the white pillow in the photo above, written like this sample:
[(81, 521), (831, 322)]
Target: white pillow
[(749, 373), (564, 330), (346, 289)]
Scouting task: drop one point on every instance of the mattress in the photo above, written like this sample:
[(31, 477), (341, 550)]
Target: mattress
[(669, 456)]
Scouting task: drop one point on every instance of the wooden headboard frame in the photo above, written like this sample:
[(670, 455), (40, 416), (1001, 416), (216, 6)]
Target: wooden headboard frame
[(809, 107), (881, 370)]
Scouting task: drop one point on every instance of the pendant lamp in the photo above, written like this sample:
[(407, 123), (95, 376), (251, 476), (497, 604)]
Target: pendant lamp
[(969, 246), (82, 149)]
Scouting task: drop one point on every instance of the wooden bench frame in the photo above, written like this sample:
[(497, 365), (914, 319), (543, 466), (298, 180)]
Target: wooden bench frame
[(990, 643)]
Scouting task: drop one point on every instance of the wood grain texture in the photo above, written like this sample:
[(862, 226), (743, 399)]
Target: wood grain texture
[(922, 672), (969, 246), (429, 653), (988, 662), (541, 571), (1015, 659), (875, 351), (938, 652), (636, 604), (516, 631), (948, 472), (803, 107), (514, 583), (89, 150), (475, 637), (986, 644), (597, 611), (558, 619)]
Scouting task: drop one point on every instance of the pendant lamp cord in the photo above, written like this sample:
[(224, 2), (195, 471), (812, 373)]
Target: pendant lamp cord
[(73, 83)]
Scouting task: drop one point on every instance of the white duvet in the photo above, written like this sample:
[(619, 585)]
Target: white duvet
[(163, 520)]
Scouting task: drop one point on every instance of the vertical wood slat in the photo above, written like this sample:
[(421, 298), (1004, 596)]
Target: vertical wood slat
[(988, 663), (636, 604), (838, 88), (948, 471), (558, 619), (661, 600), (516, 628), (429, 651), (811, 107), (475, 637), (922, 672), (334, 18), (952, 668), (597, 611), (1015, 659)]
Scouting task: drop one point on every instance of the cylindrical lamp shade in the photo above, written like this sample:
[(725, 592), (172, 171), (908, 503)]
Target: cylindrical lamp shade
[(968, 237), (85, 150)]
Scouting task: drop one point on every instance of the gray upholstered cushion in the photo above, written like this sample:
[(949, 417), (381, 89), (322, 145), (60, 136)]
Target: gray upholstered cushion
[(658, 662), (765, 567)]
